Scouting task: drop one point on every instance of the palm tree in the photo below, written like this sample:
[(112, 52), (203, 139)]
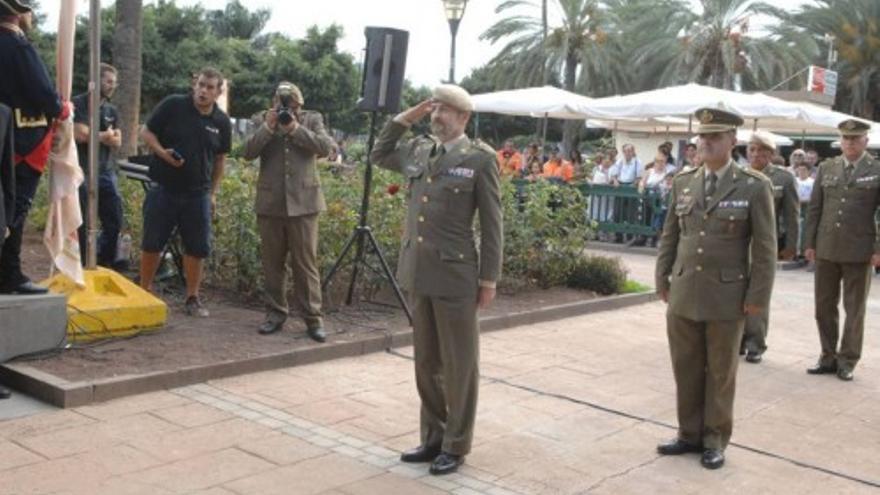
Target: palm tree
[(529, 53), (715, 47), (855, 27), (127, 59)]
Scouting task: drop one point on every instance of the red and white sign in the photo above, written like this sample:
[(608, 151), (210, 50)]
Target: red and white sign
[(822, 80)]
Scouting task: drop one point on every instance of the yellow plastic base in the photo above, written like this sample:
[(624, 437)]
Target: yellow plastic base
[(110, 305)]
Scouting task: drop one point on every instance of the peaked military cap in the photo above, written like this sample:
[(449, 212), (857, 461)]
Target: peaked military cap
[(454, 96), (853, 127), (763, 138), (14, 7), (288, 89), (714, 120)]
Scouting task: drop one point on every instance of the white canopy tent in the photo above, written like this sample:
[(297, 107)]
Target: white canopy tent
[(652, 110), (540, 102)]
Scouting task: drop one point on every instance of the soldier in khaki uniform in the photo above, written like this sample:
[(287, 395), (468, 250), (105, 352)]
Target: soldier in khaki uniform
[(842, 238), (787, 208), (289, 199), (451, 179), (715, 266)]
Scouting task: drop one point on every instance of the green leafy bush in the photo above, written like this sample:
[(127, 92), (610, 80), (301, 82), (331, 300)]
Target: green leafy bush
[(599, 274)]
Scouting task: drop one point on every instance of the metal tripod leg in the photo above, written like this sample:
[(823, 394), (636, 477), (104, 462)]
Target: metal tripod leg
[(389, 276)]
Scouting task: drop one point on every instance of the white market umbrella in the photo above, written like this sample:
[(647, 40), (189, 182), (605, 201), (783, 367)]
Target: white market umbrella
[(539, 102)]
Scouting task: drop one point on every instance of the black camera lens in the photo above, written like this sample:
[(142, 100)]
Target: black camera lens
[(285, 117)]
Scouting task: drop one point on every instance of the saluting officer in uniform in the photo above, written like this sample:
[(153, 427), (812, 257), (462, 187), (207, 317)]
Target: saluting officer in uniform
[(288, 142), (841, 237), (715, 266), (451, 178), (26, 88), (787, 207)]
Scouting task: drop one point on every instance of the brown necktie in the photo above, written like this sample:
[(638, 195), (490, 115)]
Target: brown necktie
[(713, 183), (847, 171)]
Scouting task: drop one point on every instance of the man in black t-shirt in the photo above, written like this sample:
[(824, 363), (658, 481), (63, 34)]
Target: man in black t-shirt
[(109, 201), (189, 137)]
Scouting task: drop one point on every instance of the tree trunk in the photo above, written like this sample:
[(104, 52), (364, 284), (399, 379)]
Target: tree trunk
[(127, 59)]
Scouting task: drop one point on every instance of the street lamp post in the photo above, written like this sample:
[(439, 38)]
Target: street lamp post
[(454, 12)]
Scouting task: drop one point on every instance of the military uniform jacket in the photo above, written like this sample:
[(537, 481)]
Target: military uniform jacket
[(27, 89), (288, 185), (785, 203), (841, 223), (438, 255), (716, 257)]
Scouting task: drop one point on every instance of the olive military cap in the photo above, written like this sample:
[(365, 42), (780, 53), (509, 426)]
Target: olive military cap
[(714, 120), (853, 127)]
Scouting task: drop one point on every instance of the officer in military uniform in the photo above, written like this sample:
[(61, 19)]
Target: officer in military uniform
[(715, 266), (787, 207), (27, 89), (451, 178), (842, 238), (289, 199)]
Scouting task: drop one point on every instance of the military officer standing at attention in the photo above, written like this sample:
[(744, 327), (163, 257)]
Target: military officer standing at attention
[(715, 267), (451, 178), (842, 239), (787, 207)]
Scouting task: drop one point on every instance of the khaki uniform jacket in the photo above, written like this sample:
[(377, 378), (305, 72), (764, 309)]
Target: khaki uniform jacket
[(785, 203), (716, 257), (841, 224), (288, 185), (438, 256)]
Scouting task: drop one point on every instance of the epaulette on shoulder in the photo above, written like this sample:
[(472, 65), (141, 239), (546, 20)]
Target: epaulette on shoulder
[(755, 174), (829, 161), (482, 146), (682, 173)]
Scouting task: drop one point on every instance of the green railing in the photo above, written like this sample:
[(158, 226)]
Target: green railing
[(616, 209)]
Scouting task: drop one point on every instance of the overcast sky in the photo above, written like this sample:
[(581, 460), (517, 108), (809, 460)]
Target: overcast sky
[(428, 59)]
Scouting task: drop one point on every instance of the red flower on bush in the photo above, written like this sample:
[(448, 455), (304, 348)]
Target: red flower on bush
[(393, 188)]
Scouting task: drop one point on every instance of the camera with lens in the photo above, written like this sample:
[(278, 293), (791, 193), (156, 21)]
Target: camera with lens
[(285, 108)]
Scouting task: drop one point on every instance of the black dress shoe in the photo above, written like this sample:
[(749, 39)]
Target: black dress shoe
[(26, 288), (678, 447), (712, 458), (754, 357), (317, 334), (821, 369), (845, 375), (421, 453), (270, 326), (446, 463), (5, 393)]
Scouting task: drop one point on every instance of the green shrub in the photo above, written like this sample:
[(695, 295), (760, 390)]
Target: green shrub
[(599, 274)]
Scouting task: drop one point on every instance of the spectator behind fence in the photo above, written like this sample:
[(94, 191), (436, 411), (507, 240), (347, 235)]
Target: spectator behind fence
[(510, 161), (656, 172), (189, 136), (289, 200), (557, 168), (577, 162), (602, 207), (532, 157), (536, 172), (804, 183), (811, 158), (109, 200), (628, 169), (795, 159)]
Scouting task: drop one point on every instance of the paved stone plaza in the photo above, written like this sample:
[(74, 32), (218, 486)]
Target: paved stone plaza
[(571, 406)]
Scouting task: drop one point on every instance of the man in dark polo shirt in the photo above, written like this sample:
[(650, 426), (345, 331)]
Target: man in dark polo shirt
[(189, 137), (109, 201)]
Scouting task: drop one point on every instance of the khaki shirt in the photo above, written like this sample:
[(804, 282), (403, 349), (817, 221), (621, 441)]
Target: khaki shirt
[(288, 185), (785, 203), (715, 257), (841, 224), (438, 255)]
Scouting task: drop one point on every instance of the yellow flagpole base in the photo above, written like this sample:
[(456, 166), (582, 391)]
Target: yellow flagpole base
[(110, 305)]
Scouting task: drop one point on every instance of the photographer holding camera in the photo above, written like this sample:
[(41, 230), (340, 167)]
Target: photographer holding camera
[(189, 136), (289, 198)]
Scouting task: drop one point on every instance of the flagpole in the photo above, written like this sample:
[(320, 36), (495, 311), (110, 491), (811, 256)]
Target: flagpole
[(94, 129)]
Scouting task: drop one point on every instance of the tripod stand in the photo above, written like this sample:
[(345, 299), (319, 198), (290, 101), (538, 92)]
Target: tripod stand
[(362, 234)]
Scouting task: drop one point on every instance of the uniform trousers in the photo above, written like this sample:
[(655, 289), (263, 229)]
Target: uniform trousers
[(856, 281), (446, 347), (704, 362), (296, 239)]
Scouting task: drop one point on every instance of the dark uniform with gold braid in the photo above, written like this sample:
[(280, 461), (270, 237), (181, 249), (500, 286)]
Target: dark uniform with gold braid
[(441, 270), (842, 229), (717, 254), (27, 89)]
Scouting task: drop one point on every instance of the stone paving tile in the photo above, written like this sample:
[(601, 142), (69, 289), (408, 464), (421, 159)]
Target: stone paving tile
[(12, 455), (192, 414), (307, 477), (119, 459), (282, 449), (128, 406), (43, 423), (328, 412), (202, 472), (203, 439), (70, 475), (389, 484)]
